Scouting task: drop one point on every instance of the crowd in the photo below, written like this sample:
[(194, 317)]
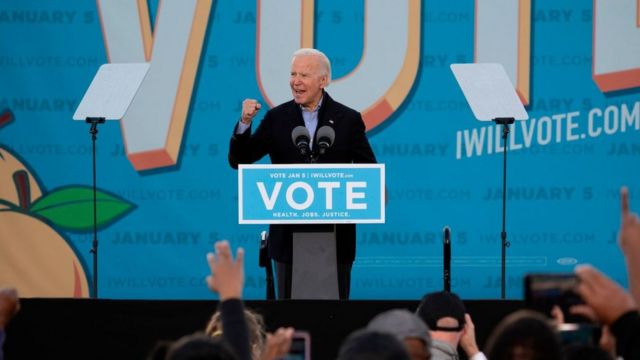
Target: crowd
[(438, 329)]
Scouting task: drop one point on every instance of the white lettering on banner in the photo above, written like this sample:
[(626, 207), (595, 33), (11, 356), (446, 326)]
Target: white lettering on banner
[(503, 35), (386, 72), (328, 186), (269, 201), (613, 120), (616, 40), (550, 129), (352, 195), (154, 124), (307, 189)]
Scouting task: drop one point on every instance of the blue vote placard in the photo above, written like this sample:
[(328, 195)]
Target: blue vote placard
[(311, 193)]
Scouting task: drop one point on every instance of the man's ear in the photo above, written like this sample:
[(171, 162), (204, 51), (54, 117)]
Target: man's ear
[(323, 81)]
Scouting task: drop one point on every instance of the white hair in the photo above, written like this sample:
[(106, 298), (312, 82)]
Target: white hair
[(324, 60)]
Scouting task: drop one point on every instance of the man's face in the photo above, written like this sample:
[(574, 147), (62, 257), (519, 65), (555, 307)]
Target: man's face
[(307, 80)]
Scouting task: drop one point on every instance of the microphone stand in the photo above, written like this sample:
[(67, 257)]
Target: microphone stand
[(308, 157), (447, 259)]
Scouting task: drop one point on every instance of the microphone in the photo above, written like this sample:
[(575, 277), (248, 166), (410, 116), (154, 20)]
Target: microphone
[(324, 138), (447, 258), (300, 137)]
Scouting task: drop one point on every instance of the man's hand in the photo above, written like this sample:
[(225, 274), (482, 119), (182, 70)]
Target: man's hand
[(9, 305), (250, 108), (629, 240), (608, 341), (629, 228), (227, 275), (557, 315), (607, 299), (468, 340)]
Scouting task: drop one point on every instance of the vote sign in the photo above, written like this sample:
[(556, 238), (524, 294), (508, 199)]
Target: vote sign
[(311, 193)]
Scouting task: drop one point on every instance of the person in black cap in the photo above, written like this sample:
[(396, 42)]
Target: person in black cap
[(449, 326)]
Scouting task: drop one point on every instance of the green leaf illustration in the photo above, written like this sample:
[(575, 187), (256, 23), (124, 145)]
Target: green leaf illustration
[(71, 208)]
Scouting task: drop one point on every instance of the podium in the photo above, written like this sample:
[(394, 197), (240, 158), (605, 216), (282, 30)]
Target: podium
[(318, 196)]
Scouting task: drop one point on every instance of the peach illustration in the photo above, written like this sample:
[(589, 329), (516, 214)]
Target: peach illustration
[(36, 260), (34, 257), (10, 167)]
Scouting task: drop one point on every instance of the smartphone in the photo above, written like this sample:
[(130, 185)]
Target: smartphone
[(586, 334), (300, 347), (543, 291)]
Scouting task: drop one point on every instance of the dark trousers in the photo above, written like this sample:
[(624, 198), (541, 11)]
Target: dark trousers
[(283, 276)]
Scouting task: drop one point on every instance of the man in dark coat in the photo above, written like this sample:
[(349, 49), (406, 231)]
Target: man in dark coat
[(313, 108)]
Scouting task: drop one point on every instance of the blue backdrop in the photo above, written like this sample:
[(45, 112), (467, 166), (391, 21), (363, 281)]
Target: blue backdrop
[(563, 175)]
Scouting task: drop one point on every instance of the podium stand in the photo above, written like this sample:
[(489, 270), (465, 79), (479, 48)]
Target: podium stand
[(318, 196), (314, 273), (492, 97), (108, 97)]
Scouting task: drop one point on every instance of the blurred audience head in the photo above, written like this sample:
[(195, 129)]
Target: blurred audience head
[(200, 347), (255, 324), (406, 327), (364, 344), (524, 335)]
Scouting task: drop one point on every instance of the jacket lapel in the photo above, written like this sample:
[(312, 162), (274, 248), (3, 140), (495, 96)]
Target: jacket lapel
[(325, 115), (296, 114)]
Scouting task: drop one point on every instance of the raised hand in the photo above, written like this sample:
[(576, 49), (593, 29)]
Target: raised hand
[(9, 305), (629, 240), (468, 340), (250, 108), (606, 298), (277, 345), (227, 275)]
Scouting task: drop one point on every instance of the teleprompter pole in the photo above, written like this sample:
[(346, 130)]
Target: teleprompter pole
[(505, 122), (93, 130)]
